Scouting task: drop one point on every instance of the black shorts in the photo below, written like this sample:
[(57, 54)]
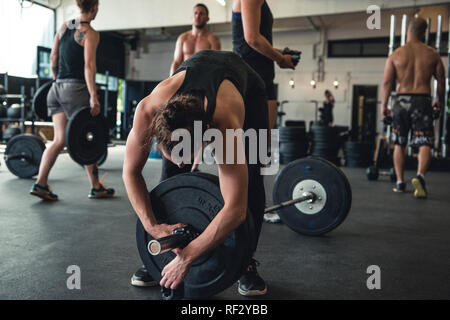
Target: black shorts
[(265, 68), (413, 112)]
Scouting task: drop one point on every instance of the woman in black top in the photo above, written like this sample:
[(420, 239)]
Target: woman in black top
[(252, 23)]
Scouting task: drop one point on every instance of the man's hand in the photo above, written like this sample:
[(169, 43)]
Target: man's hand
[(95, 106), (286, 62), (385, 112), (175, 272), (436, 110)]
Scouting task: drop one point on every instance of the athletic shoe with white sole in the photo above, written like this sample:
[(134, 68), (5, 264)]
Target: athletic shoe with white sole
[(250, 283), (141, 278), (45, 193), (272, 218)]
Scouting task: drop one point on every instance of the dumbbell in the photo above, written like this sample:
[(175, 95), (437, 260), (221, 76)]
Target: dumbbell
[(294, 53), (373, 173)]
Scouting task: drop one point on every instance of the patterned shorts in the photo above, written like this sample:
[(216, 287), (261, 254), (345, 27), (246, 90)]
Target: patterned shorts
[(413, 112)]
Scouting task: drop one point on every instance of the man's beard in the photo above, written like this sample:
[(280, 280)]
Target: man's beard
[(200, 26)]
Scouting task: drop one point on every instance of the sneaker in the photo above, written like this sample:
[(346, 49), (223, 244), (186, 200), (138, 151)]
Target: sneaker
[(141, 278), (420, 191), (272, 218), (102, 192), (250, 283), (399, 187), (45, 193)]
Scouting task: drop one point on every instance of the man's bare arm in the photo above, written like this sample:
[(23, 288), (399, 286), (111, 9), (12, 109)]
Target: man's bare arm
[(439, 74), (388, 82), (178, 56), (215, 43)]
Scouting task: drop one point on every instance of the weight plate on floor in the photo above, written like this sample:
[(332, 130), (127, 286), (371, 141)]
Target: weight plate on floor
[(86, 137), (324, 180), (40, 101), (195, 199), (23, 155)]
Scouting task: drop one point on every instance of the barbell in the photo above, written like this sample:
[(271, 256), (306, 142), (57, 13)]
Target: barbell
[(312, 197), (86, 141)]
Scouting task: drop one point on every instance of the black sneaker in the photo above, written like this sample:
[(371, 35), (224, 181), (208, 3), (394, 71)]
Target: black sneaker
[(101, 193), (141, 278), (45, 193), (420, 191), (250, 283), (399, 187)]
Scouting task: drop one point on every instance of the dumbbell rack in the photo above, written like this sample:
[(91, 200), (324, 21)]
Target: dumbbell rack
[(22, 98)]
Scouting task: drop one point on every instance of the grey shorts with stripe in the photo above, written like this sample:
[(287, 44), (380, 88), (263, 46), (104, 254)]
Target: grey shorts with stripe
[(68, 96)]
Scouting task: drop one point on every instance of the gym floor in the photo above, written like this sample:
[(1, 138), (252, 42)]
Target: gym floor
[(408, 239)]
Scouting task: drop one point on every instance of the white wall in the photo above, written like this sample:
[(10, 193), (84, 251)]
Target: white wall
[(155, 65), (136, 14)]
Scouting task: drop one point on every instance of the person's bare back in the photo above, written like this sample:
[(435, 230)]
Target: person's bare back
[(415, 64)]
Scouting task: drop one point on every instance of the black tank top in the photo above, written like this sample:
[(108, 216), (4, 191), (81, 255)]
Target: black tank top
[(240, 46), (71, 56), (207, 69)]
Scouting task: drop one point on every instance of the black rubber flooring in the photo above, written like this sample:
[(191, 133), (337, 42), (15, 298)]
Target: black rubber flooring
[(408, 239)]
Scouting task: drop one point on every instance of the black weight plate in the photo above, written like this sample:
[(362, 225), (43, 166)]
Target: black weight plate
[(10, 133), (195, 199), (338, 195), (86, 137), (372, 173), (40, 101), (392, 175), (32, 147)]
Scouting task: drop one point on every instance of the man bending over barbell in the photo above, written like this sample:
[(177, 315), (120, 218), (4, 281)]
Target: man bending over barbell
[(221, 90), (73, 61)]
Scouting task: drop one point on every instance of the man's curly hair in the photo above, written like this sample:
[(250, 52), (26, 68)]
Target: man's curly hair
[(180, 113)]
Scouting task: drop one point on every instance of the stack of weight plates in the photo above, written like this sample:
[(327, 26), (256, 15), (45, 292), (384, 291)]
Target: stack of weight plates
[(325, 143), (293, 144), (358, 154)]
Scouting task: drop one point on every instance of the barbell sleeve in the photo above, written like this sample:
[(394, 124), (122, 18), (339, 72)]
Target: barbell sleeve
[(179, 239), (305, 197)]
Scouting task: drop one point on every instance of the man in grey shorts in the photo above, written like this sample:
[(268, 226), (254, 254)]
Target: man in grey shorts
[(73, 61)]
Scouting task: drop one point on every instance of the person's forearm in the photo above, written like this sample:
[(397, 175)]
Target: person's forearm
[(261, 45), (222, 225), (139, 198), (440, 92), (54, 66), (89, 75), (387, 89)]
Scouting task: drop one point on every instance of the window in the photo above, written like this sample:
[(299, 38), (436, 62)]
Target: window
[(22, 30)]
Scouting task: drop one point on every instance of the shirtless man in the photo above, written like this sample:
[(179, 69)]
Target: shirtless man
[(199, 38), (413, 66)]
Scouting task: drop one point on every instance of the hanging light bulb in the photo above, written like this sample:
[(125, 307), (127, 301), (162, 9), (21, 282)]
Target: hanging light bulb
[(336, 84), (292, 83), (313, 83)]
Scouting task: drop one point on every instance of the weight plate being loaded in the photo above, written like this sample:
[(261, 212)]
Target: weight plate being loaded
[(332, 196), (86, 137), (40, 101), (195, 199), (23, 155)]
